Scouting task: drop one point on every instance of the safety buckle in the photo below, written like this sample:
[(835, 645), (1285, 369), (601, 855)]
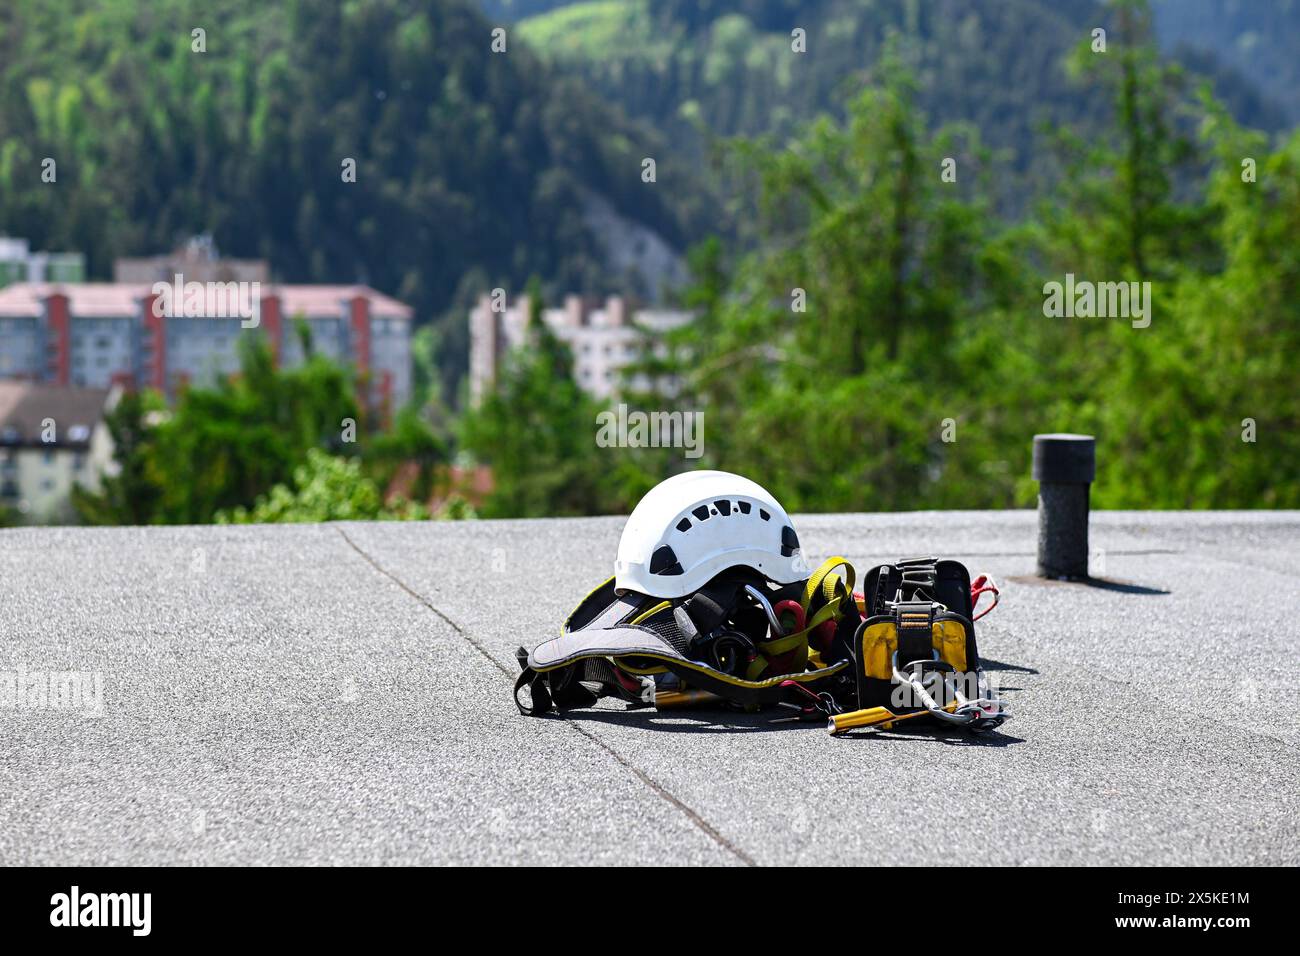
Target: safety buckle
[(916, 574), (914, 578), (815, 706), (914, 614)]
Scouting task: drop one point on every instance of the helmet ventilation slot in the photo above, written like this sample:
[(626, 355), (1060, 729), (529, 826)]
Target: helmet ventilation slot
[(664, 561)]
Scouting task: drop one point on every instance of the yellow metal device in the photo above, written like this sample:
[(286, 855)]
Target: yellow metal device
[(881, 718)]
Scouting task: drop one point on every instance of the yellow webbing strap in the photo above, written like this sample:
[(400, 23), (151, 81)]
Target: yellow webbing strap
[(823, 580), (834, 590)]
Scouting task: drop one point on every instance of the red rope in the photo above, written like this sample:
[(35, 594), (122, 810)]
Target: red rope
[(983, 585)]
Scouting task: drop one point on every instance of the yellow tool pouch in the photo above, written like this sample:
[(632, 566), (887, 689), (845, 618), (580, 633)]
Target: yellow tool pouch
[(918, 620), (879, 644), (914, 634)]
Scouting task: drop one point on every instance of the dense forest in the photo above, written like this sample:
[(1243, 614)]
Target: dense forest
[(1257, 38), (699, 71)]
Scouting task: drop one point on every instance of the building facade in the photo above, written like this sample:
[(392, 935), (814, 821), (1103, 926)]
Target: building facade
[(19, 264), (95, 335), (604, 337), (52, 438)]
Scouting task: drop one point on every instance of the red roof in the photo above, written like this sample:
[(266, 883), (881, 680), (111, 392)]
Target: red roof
[(122, 299)]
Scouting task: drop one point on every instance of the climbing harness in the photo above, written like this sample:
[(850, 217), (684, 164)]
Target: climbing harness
[(711, 604)]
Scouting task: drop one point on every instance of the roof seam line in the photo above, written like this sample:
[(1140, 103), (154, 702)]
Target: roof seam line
[(691, 815)]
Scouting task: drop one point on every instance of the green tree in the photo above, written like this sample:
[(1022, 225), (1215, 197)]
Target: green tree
[(1222, 426), (832, 358), (324, 488), (221, 447), (133, 494), (245, 141), (410, 442), (536, 429), (1168, 402)]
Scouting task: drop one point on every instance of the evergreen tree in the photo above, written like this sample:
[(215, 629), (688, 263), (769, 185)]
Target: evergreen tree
[(537, 431)]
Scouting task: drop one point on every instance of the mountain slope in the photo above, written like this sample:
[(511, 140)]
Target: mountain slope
[(1259, 38), (727, 65)]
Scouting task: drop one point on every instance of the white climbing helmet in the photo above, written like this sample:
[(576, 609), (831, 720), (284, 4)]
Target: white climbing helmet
[(691, 527)]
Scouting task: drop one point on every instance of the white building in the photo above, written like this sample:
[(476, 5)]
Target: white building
[(604, 338), (51, 438)]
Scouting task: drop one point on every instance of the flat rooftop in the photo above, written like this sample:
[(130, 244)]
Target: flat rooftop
[(124, 299), (341, 694)]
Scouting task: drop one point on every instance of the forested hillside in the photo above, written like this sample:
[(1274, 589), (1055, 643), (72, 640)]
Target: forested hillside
[(725, 66), (472, 168), (1260, 38)]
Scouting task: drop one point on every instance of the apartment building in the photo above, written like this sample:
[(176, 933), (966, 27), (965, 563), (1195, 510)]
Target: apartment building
[(52, 437), (605, 337), (19, 264), (95, 335)]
